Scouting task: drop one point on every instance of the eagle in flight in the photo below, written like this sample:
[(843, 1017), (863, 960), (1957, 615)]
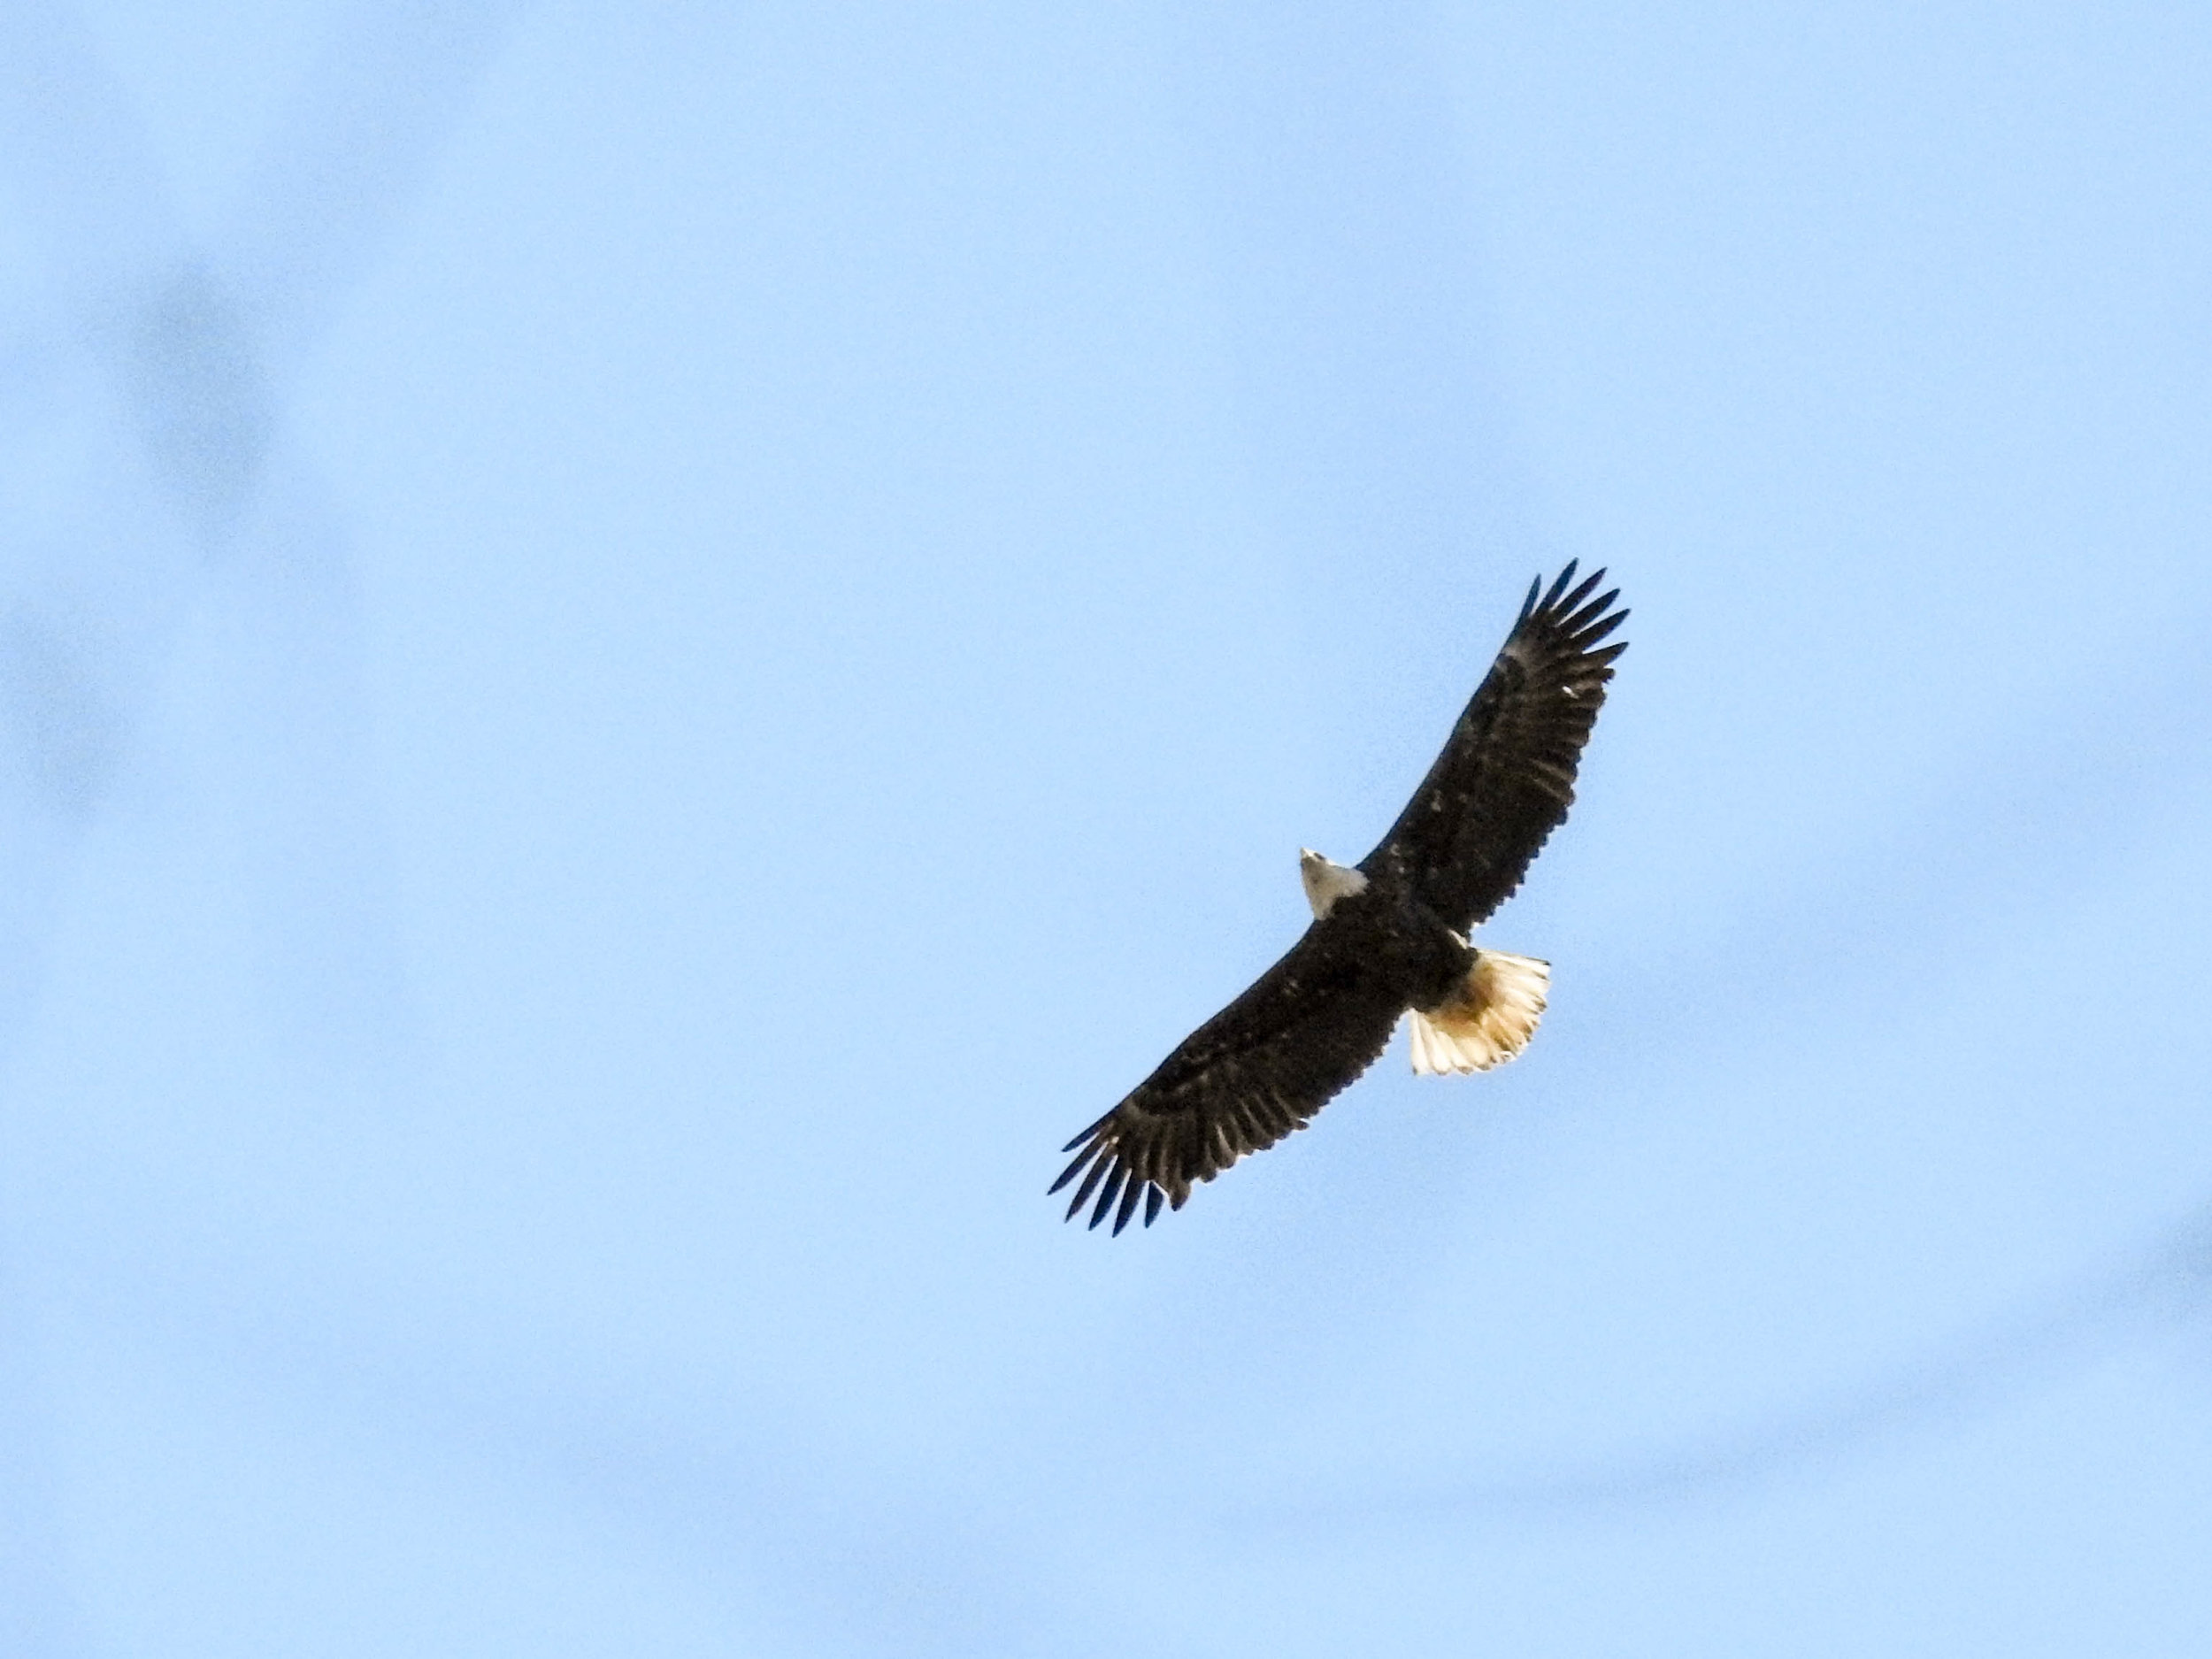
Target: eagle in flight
[(1389, 934)]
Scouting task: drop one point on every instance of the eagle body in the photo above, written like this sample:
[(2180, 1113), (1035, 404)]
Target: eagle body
[(1402, 947), (1388, 940)]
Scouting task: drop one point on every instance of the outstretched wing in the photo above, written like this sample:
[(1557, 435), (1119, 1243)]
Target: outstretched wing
[(1506, 777), (1253, 1073)]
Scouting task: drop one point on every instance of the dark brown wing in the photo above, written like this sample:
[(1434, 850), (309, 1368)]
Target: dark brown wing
[(1506, 777), (1253, 1073)]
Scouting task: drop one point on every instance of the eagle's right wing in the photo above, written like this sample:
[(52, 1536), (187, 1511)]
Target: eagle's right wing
[(1506, 777), (1250, 1075)]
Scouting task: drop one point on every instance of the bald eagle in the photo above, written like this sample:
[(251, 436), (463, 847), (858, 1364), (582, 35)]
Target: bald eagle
[(1389, 934)]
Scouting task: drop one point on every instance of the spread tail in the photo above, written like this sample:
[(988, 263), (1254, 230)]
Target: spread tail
[(1486, 1021)]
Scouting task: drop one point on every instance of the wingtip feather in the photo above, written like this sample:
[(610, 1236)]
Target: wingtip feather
[(1109, 1193), (1087, 1133), (1099, 1167), (1529, 604), (1581, 592), (1068, 1174), (1130, 1196), (1585, 615), (1593, 633)]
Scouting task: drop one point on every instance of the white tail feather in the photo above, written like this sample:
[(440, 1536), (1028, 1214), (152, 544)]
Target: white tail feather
[(1487, 1021)]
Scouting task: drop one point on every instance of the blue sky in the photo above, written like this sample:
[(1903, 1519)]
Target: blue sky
[(648, 649)]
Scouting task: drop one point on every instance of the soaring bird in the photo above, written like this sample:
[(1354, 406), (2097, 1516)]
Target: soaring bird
[(1389, 934)]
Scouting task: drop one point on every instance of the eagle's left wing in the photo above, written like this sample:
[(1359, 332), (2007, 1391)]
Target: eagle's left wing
[(1250, 1075), (1506, 777)]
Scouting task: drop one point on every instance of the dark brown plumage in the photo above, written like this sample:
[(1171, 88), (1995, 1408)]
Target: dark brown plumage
[(1312, 1023)]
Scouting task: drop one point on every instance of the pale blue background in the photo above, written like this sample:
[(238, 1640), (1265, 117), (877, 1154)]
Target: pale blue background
[(648, 648)]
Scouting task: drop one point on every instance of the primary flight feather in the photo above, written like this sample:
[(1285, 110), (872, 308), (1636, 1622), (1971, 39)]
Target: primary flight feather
[(1388, 938)]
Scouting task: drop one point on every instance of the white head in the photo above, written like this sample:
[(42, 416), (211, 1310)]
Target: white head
[(1325, 883)]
